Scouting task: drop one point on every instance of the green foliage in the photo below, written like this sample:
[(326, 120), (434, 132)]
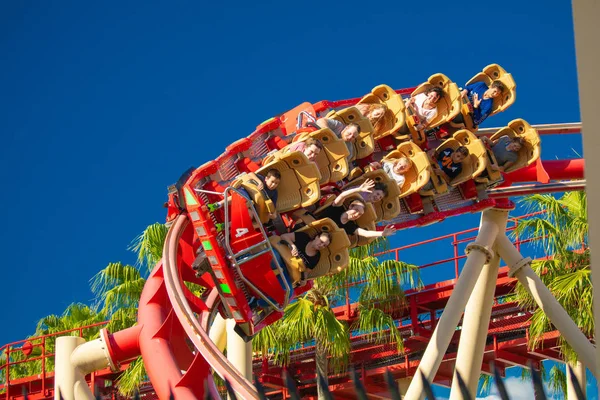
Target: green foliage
[(562, 231), (149, 245), (310, 319)]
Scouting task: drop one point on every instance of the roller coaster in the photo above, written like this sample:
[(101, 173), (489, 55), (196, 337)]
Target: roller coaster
[(237, 253)]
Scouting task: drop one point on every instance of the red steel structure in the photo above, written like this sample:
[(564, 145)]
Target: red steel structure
[(507, 336), (172, 331)]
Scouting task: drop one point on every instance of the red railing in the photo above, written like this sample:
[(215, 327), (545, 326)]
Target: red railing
[(26, 347), (455, 240)]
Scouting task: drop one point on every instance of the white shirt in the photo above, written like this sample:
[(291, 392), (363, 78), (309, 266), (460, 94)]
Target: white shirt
[(424, 113), (388, 168)]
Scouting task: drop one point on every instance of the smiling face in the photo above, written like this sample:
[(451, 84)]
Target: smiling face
[(355, 211), (349, 134), (376, 195), (401, 166), (311, 152), (433, 97)]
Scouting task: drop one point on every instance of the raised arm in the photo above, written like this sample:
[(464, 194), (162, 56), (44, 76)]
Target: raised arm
[(387, 231), (366, 187)]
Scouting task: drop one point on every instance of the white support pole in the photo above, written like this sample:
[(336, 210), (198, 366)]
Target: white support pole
[(75, 359), (479, 253), (520, 268), (239, 353), (218, 332), (65, 374), (586, 14), (475, 329)]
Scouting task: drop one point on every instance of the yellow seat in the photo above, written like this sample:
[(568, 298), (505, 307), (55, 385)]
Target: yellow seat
[(448, 106), (263, 205), (333, 159), (294, 265), (299, 184), (394, 116), (334, 258), (495, 72), (477, 160), (389, 206), (366, 221), (364, 145), (420, 171), (531, 149)]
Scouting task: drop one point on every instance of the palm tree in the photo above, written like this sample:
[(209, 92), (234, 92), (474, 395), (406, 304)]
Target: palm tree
[(118, 289), (75, 316), (311, 317), (562, 232)]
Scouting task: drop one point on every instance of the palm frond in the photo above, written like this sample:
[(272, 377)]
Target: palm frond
[(130, 381), (149, 245), (381, 326), (557, 381), (113, 275)]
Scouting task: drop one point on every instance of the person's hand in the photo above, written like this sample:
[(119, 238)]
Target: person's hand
[(259, 185), (272, 215), (367, 186), (476, 100), (438, 172), (464, 93), (419, 127), (294, 251), (375, 165), (389, 231), (495, 167)]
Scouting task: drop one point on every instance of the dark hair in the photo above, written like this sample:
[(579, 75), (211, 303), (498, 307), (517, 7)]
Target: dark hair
[(519, 140), (354, 124), (498, 85), (274, 173), (324, 233), (313, 142), (463, 150), (436, 89), (359, 201), (381, 186)]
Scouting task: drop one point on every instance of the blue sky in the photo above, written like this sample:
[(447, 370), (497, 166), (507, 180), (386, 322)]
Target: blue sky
[(105, 104)]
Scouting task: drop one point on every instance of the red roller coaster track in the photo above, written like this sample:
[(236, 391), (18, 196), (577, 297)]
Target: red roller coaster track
[(172, 335)]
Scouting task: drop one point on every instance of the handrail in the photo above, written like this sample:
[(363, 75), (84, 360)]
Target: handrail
[(542, 129)]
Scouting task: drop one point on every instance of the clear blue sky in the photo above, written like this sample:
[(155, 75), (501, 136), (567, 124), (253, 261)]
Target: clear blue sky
[(105, 104)]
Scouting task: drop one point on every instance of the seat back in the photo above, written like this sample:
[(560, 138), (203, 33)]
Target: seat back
[(263, 205), (334, 257), (495, 72), (333, 159), (448, 106), (290, 118), (299, 184), (366, 221), (531, 149), (294, 265), (420, 171), (394, 116), (364, 145), (389, 206), (477, 160)]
